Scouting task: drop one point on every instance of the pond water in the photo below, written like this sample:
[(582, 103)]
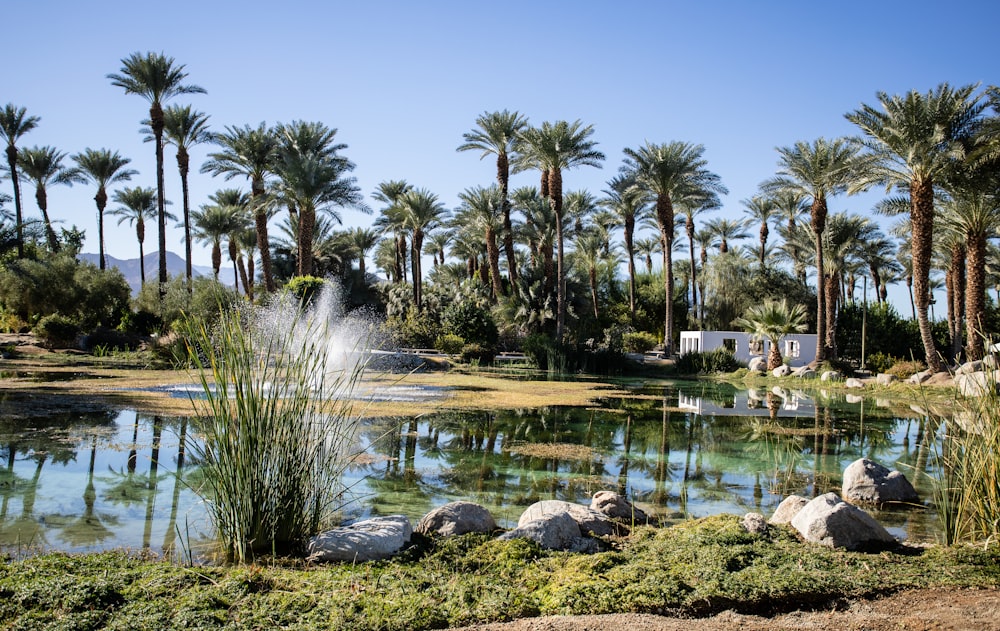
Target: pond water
[(106, 479)]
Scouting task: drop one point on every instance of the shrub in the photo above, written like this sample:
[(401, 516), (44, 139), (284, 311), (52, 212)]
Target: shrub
[(880, 362), (719, 360), (449, 343), (57, 330), (904, 369), (109, 339), (11, 322), (480, 353), (639, 342), (305, 287), (472, 323), (207, 298), (415, 329)]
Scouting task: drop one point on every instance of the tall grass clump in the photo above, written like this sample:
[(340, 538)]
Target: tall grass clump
[(279, 428)]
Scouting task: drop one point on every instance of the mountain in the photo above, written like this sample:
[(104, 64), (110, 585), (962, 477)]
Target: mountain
[(130, 267)]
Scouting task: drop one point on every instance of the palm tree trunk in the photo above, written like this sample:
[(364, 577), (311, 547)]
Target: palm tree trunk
[(593, 291), (241, 264), (555, 200), (832, 302), (774, 358), (43, 205), (909, 289), (630, 250), (665, 217), (101, 199), (763, 242), (689, 228), (307, 225), (493, 253), (19, 217), (818, 222), (975, 298), (263, 243), (503, 178), (957, 303), (183, 165), (416, 244), (922, 221), (156, 123)]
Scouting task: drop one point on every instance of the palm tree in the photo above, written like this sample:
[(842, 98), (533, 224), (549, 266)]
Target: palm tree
[(389, 193), (761, 210), (773, 320), (815, 171), (726, 230), (539, 231), (668, 171), (183, 128), (688, 208), (361, 241), (588, 249), (421, 212), (43, 166), (249, 152), (482, 212), (103, 168), (219, 220), (497, 135), (915, 140), (435, 246), (552, 149), (629, 204), (14, 123), (646, 248), (156, 78), (137, 205)]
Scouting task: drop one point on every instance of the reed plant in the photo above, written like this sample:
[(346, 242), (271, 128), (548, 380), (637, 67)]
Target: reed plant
[(279, 429)]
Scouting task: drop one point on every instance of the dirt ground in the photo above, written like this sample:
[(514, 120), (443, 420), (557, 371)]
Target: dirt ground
[(913, 610)]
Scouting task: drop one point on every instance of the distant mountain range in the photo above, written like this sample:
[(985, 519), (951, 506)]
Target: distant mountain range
[(130, 267)]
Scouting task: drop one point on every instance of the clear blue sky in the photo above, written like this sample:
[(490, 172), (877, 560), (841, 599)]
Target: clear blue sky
[(402, 81)]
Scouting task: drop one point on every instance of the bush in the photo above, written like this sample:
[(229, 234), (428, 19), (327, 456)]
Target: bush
[(639, 342), (880, 362), (305, 287), (449, 343), (57, 330), (719, 360), (109, 339), (207, 298), (478, 353), (905, 369), (415, 329), (472, 323)]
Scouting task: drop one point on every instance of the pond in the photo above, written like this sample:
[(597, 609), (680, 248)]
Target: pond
[(103, 479)]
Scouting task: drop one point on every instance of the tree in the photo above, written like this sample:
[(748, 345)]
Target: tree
[(816, 171), (773, 320), (183, 128), (629, 204), (391, 220), (43, 166), (726, 230), (688, 208), (156, 78), (588, 251), (497, 135), (482, 212), (103, 168), (421, 211), (361, 241), (668, 171), (249, 152), (137, 205), (219, 220), (552, 149), (761, 210), (14, 123), (915, 141)]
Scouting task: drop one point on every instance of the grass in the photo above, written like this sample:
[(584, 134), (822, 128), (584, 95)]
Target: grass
[(696, 568)]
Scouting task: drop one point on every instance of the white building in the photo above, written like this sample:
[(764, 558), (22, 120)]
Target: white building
[(798, 349)]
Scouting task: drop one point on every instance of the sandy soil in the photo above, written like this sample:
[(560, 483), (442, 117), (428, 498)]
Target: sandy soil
[(914, 610)]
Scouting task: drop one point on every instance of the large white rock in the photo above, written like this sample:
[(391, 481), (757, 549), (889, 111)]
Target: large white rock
[(457, 518), (969, 367), (787, 509), (754, 523), (871, 483), (920, 377), (552, 531), (854, 383), (757, 364), (782, 371), (830, 521), (590, 521), (885, 379), (977, 384), (804, 372), (368, 540), (617, 506), (830, 375)]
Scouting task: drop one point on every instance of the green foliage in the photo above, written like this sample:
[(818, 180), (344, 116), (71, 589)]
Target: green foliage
[(305, 287), (638, 342), (880, 362), (904, 369), (471, 322), (10, 322), (414, 329), (478, 353), (449, 343), (719, 360), (886, 332), (208, 296), (57, 330)]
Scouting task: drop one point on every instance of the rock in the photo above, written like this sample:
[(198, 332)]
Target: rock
[(968, 367), (804, 372), (976, 384), (754, 523), (782, 371), (919, 377), (553, 531), (832, 522), (869, 482), (787, 509), (854, 383), (830, 375), (617, 506), (885, 379), (990, 361), (589, 521), (457, 518), (854, 398), (757, 364), (368, 540)]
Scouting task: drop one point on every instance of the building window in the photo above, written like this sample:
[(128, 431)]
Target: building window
[(792, 348), (756, 347), (729, 344)]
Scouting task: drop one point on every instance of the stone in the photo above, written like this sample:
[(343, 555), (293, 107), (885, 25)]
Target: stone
[(854, 383), (853, 398), (918, 378), (368, 540), (830, 521), (830, 375), (757, 364), (617, 506), (787, 509), (885, 379), (589, 521), (782, 371), (457, 518), (869, 482), (968, 367), (552, 531), (754, 523), (804, 372), (990, 361), (976, 384)]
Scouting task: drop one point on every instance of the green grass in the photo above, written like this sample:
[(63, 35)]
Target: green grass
[(696, 568)]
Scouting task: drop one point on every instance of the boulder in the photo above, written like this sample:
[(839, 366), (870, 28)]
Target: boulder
[(757, 364), (853, 398), (830, 375), (754, 523), (968, 367), (589, 521), (368, 540), (804, 372), (782, 371), (885, 379), (919, 377), (830, 521), (787, 509), (869, 482), (990, 361), (976, 384), (553, 531), (854, 383), (457, 518), (617, 506)]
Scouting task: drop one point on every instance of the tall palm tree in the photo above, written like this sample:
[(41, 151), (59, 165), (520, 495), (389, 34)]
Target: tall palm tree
[(816, 171), (421, 212), (43, 166), (183, 128), (762, 210), (362, 240), (390, 220), (138, 204), (435, 246), (156, 78), (688, 207), (14, 123), (539, 231), (103, 168), (497, 134), (628, 203), (588, 249), (552, 149), (668, 171), (646, 248), (773, 320), (219, 220), (482, 212), (726, 230), (915, 141)]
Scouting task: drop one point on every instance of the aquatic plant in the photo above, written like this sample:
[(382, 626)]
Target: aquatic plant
[(279, 429)]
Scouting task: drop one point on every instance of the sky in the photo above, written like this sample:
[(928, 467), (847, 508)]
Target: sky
[(402, 81)]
